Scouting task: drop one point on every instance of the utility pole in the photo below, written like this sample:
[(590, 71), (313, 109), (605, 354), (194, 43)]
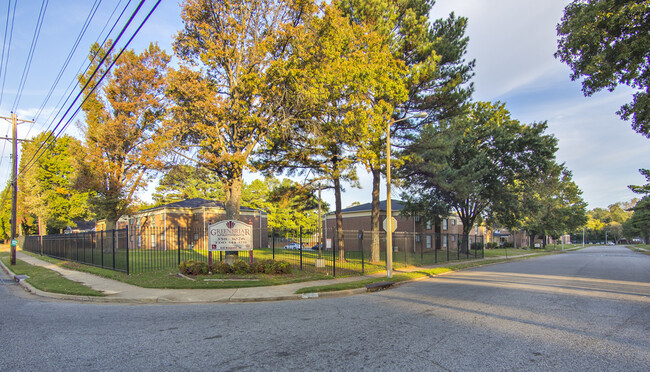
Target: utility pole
[(14, 180)]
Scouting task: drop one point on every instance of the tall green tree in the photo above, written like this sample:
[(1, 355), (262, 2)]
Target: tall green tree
[(345, 84), (123, 119), (553, 204), (47, 186), (227, 93), (435, 75), (469, 163), (607, 42), (639, 223)]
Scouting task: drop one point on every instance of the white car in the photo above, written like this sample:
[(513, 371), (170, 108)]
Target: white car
[(294, 246)]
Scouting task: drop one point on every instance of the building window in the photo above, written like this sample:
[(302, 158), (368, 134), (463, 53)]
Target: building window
[(428, 225), (453, 221), (153, 241), (417, 238), (139, 240), (444, 241), (444, 224), (153, 221), (453, 238), (428, 241), (476, 230), (417, 218)]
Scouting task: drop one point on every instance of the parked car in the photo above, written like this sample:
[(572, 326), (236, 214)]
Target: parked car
[(610, 243), (315, 247), (294, 246)]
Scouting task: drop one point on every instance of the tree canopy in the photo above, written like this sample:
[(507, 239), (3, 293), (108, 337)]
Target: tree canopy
[(607, 42), (470, 162), (123, 118)]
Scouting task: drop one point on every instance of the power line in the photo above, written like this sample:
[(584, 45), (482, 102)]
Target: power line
[(69, 90), (11, 33), (84, 28), (30, 55), (34, 158)]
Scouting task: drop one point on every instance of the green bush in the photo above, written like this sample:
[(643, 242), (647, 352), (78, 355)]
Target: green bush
[(240, 267), (507, 245), (221, 268), (192, 267), (492, 245), (281, 267), (259, 267), (477, 246)]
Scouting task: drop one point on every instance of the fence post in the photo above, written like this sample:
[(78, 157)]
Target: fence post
[(457, 242), (92, 246), (300, 240), (273, 242), (421, 247), (113, 248), (361, 249), (178, 243), (127, 252), (435, 251), (334, 252), (101, 235)]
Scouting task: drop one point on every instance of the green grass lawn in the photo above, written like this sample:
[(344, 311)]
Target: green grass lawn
[(168, 279), (47, 280)]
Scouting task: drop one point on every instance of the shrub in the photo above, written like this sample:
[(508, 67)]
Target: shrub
[(477, 246), (492, 245), (281, 267), (240, 267), (259, 267), (221, 268), (507, 245), (192, 267)]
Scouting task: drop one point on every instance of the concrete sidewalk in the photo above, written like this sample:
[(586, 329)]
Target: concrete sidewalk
[(119, 292)]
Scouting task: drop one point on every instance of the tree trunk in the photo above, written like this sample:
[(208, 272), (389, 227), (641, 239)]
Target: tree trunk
[(339, 219), (532, 240), (374, 216), (232, 204), (544, 242), (233, 198), (41, 226)]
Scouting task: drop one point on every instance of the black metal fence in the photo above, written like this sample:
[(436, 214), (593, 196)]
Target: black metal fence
[(350, 253)]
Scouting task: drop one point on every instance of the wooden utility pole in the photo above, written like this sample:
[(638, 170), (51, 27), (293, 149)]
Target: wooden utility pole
[(14, 180)]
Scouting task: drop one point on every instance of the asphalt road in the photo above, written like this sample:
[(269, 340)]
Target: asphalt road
[(581, 311)]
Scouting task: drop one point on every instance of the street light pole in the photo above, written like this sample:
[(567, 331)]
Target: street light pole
[(389, 211)]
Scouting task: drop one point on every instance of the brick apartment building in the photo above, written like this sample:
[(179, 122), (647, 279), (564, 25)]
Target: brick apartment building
[(160, 227), (411, 231)]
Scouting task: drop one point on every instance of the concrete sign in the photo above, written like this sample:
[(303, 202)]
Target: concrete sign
[(230, 235)]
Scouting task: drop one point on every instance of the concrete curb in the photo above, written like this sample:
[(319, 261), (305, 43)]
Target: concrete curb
[(233, 299)]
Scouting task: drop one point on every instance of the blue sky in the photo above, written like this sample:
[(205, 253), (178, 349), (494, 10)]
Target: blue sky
[(513, 42)]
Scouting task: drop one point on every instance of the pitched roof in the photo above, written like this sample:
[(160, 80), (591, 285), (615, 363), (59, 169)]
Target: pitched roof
[(396, 205), (195, 203)]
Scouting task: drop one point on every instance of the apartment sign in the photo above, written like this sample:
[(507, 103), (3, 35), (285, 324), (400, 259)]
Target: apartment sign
[(230, 235)]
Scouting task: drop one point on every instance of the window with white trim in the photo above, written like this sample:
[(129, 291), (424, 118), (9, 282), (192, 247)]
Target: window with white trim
[(429, 241), (153, 241), (444, 224), (453, 221), (428, 225), (444, 241)]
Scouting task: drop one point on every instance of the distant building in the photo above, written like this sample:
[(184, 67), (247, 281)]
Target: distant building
[(411, 232), (161, 227)]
